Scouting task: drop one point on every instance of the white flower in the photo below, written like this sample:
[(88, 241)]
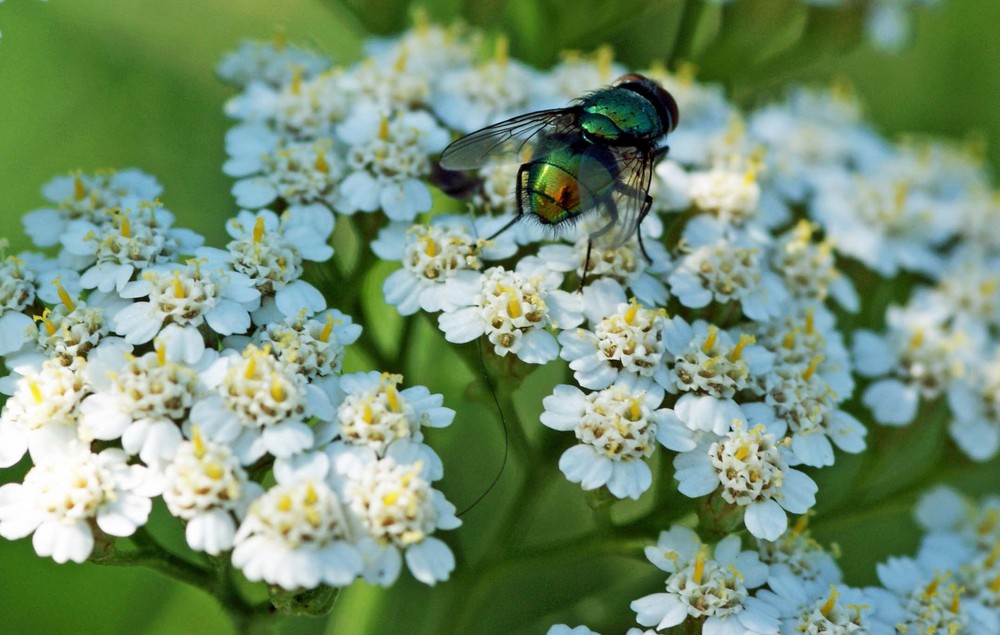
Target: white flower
[(42, 412), (810, 269), (275, 62), (730, 195), (625, 264), (141, 400), (752, 473), (386, 158), (722, 264), (617, 429), (807, 607), (17, 292), (68, 331), (798, 552), (628, 342), (116, 248), (394, 505), (64, 493), (207, 488), (297, 535), (513, 309), (917, 358), (432, 255), (301, 108), (269, 169), (261, 405), (375, 414), (87, 197), (474, 97), (187, 297), (713, 584), (705, 360), (315, 345)]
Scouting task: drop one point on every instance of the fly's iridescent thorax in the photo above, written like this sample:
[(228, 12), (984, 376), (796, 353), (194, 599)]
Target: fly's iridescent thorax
[(567, 181), (618, 116)]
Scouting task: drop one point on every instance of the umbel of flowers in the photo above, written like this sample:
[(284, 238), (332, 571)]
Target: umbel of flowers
[(729, 366)]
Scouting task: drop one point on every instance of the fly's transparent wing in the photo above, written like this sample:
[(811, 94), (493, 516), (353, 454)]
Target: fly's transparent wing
[(629, 199), (509, 141)]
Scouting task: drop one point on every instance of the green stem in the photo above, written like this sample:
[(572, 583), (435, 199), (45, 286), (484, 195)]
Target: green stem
[(246, 618)]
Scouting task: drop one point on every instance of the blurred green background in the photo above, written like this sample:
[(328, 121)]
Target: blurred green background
[(117, 83)]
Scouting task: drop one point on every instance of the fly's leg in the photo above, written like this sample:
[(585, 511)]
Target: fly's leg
[(612, 211)]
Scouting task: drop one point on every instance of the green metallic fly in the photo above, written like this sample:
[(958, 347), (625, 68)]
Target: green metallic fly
[(596, 155)]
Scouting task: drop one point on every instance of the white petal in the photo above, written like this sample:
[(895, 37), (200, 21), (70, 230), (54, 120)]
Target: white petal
[(430, 560), (766, 519)]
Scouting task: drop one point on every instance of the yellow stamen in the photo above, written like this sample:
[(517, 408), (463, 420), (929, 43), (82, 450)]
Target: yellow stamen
[(278, 389), (179, 291), (831, 601), (699, 565), (899, 196), (311, 496), (390, 498), (197, 441), (810, 322), (750, 176), (502, 51), (324, 335), (251, 369), (400, 64), (931, 589), (161, 351), (50, 328), (801, 524), (393, 397), (284, 503), (258, 230), (366, 414), (296, 86), (686, 72), (918, 338), (789, 340), (631, 312), (804, 231), (36, 392), (63, 295), (811, 368), (741, 452), (737, 352), (124, 228), (713, 334), (605, 59), (430, 247), (956, 603), (321, 165), (634, 410), (994, 586), (214, 471), (79, 191)]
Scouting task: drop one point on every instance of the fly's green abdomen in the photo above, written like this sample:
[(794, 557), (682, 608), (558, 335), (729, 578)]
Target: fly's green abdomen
[(616, 116), (554, 189)]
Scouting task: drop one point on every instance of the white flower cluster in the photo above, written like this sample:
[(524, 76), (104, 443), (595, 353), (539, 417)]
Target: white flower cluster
[(145, 364), (727, 346), (794, 585)]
